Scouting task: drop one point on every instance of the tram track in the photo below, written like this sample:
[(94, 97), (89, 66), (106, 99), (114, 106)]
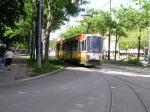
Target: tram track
[(109, 107), (134, 91), (110, 92), (130, 85), (137, 85)]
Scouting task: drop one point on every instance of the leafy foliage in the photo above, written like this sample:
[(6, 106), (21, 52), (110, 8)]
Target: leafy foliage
[(72, 31), (96, 21), (131, 40), (11, 11), (101, 23), (58, 11), (15, 21)]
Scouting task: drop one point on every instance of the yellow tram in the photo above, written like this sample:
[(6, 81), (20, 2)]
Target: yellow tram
[(83, 49)]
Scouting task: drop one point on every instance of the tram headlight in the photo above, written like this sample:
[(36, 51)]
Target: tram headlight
[(88, 57)]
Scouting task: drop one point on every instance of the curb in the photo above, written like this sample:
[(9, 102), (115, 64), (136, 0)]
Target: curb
[(32, 78)]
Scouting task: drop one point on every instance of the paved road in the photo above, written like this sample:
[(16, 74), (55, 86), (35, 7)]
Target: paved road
[(78, 89)]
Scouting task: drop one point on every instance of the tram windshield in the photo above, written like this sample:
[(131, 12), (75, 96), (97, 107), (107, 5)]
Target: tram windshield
[(93, 44)]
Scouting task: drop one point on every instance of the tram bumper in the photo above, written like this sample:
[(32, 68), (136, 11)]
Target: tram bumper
[(93, 63)]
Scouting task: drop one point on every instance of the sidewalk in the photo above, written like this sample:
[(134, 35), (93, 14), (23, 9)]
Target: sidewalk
[(18, 71)]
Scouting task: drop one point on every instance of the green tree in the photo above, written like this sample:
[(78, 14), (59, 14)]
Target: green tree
[(133, 19), (55, 13), (118, 31), (131, 42), (72, 31), (100, 23), (11, 11), (103, 23)]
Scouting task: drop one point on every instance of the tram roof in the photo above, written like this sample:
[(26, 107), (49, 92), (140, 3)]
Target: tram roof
[(93, 35), (77, 37)]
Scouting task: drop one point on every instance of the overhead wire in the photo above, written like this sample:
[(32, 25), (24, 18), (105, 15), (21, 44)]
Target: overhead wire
[(107, 3)]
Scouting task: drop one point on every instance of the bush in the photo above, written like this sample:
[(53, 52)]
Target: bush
[(133, 61), (53, 65), (130, 61), (45, 68)]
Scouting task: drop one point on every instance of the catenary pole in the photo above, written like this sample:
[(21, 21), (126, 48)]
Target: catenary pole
[(149, 43), (109, 35), (39, 34)]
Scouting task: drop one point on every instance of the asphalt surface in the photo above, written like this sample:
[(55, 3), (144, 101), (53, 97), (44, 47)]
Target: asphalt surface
[(104, 88), (18, 70)]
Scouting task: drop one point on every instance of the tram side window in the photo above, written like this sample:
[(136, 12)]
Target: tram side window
[(75, 46), (68, 46), (83, 45), (65, 47), (62, 47), (88, 44), (58, 47), (78, 45)]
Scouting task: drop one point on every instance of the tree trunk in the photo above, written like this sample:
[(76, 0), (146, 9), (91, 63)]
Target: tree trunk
[(139, 43), (47, 32), (109, 45), (36, 44), (32, 38), (47, 47), (149, 43), (32, 52), (31, 44), (116, 41)]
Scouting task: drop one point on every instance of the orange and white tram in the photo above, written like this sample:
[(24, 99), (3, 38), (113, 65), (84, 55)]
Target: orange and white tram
[(83, 49)]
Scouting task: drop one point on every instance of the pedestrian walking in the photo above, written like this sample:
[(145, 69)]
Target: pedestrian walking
[(8, 58)]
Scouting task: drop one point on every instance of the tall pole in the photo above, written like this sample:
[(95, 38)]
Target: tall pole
[(39, 34), (109, 35), (89, 23), (31, 33), (149, 43), (139, 28)]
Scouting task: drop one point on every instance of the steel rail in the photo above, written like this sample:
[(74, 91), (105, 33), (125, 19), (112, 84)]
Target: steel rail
[(139, 97), (110, 96)]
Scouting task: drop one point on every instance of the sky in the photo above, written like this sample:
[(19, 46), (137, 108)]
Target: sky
[(96, 4), (104, 4)]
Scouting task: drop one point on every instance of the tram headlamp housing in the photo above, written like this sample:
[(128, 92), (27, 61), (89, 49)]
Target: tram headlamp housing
[(88, 57)]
